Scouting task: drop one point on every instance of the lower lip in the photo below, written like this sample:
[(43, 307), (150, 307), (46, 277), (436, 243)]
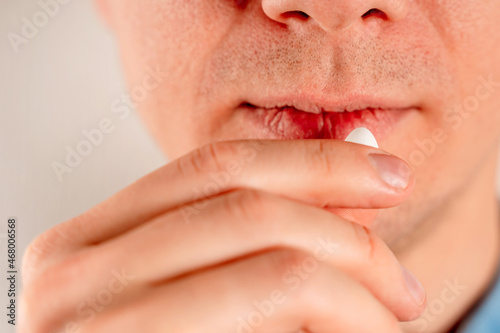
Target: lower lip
[(292, 124)]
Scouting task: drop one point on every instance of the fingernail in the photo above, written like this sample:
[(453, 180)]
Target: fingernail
[(417, 291), (392, 170)]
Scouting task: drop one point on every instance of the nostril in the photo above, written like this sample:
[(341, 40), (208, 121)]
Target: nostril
[(295, 14), (374, 12)]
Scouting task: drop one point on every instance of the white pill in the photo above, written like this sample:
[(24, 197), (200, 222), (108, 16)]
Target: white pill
[(363, 136)]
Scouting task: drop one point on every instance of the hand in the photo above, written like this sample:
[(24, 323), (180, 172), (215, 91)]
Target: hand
[(233, 237)]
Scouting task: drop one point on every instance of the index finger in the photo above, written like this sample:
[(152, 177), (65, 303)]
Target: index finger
[(323, 173)]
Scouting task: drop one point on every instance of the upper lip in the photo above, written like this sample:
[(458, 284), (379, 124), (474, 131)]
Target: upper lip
[(318, 104)]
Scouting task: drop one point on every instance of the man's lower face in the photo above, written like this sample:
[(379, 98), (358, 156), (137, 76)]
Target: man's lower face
[(422, 75)]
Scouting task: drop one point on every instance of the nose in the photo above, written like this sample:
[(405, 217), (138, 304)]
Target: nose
[(333, 15)]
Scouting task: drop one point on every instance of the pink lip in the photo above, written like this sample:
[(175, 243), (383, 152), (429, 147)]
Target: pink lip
[(317, 104), (288, 122)]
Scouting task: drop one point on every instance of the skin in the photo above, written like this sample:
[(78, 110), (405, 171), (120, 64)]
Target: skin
[(256, 227)]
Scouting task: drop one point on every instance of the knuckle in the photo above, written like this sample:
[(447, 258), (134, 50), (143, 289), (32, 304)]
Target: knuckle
[(48, 247), (30, 259), (243, 203), (283, 264), (48, 279), (46, 286), (43, 245), (319, 160), (29, 264), (206, 158), (366, 244), (251, 205), (40, 250)]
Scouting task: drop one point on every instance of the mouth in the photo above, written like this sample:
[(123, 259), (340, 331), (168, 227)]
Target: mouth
[(303, 119)]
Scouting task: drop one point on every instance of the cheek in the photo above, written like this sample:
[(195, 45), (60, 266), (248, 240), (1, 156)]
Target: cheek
[(177, 37), (461, 120), (471, 39)]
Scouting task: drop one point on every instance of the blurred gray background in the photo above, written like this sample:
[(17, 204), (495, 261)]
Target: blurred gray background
[(61, 82)]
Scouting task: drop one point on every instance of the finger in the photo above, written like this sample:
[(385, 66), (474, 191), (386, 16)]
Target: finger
[(230, 299), (234, 225), (324, 173), (250, 221)]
